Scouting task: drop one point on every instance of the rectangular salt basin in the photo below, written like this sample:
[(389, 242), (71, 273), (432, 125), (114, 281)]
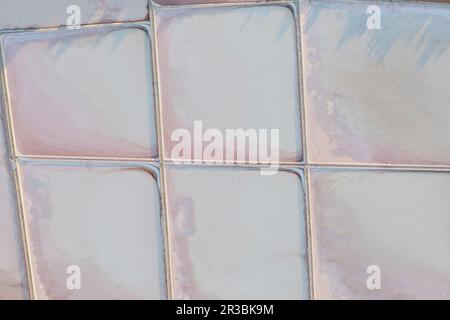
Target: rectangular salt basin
[(376, 96), (100, 220), (13, 280), (380, 229), (235, 234), (229, 68), (25, 14), (81, 93)]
